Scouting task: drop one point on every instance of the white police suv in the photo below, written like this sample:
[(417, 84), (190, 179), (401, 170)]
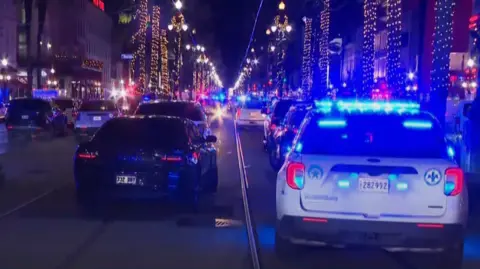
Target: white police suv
[(374, 174)]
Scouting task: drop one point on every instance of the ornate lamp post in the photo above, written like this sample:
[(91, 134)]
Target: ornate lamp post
[(279, 30), (178, 25)]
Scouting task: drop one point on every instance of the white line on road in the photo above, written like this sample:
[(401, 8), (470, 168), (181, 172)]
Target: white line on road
[(31, 201), (248, 219)]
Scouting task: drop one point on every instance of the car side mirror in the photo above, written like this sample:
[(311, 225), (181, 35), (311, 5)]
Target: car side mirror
[(211, 139)]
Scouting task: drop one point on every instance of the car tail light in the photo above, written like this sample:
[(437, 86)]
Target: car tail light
[(238, 112), (453, 181), (193, 158), (9, 127), (296, 175), (87, 155), (273, 127)]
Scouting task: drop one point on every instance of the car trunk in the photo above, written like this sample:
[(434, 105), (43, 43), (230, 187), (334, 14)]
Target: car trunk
[(250, 114), (27, 118), (384, 187)]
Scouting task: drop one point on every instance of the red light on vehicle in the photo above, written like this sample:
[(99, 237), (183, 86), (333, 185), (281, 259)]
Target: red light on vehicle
[(87, 156), (9, 127), (238, 113), (453, 181), (430, 225), (296, 175), (273, 127), (318, 220), (172, 158)]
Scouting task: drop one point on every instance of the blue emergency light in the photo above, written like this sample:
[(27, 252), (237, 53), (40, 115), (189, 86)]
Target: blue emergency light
[(367, 106)]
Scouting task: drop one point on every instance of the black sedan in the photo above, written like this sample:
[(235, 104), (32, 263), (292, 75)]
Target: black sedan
[(146, 157)]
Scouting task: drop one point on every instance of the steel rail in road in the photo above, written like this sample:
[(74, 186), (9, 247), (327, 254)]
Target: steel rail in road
[(249, 223)]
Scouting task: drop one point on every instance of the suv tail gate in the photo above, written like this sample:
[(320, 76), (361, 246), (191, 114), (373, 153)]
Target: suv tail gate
[(250, 114), (386, 187)]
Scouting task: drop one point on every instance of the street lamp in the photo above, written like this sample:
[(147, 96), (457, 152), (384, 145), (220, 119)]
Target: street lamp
[(170, 27), (288, 28), (178, 4), (202, 49), (52, 71), (274, 28), (188, 47), (470, 63), (184, 27), (272, 48)]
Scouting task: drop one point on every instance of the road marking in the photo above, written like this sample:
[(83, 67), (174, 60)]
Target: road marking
[(29, 202), (251, 234)]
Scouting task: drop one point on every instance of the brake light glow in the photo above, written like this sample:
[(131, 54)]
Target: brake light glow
[(430, 225), (9, 127), (193, 158), (417, 124), (172, 158), (296, 175), (87, 156), (453, 181), (332, 123), (273, 127), (238, 112), (318, 220)]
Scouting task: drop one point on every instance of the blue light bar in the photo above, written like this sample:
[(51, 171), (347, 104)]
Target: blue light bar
[(343, 183), (368, 106), (332, 123), (402, 186), (417, 124), (299, 147), (450, 152)]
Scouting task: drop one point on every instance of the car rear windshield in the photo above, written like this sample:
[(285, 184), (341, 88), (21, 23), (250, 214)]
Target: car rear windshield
[(297, 117), (183, 110), (98, 105), (253, 105), (64, 104), (151, 132), (28, 105), (374, 135), (282, 107)]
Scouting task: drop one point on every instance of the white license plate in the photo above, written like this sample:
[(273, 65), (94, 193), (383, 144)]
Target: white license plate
[(126, 180), (97, 118), (24, 117), (253, 114), (373, 185)]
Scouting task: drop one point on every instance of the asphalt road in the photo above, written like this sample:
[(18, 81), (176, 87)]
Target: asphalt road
[(42, 227)]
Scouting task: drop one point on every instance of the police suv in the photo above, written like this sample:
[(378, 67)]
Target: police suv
[(374, 174)]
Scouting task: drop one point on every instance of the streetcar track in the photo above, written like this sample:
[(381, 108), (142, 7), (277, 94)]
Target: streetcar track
[(249, 225)]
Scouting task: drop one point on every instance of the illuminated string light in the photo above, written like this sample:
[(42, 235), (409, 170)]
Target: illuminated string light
[(324, 51), (178, 25), (307, 58), (140, 38), (394, 33), (442, 46), (369, 30), (155, 47), (164, 62)]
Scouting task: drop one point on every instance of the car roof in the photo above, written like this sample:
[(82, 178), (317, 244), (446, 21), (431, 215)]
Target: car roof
[(158, 101), (155, 118)]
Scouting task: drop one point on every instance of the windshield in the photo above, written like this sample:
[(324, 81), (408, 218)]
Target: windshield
[(241, 75), (98, 105), (373, 136), (183, 110), (64, 104), (126, 132)]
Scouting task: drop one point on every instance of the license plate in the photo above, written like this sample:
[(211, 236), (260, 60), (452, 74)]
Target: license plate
[(373, 185), (253, 114), (126, 180), (24, 117), (97, 118)]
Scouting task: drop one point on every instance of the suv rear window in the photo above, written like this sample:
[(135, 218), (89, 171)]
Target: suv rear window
[(282, 107), (143, 132), (97, 105), (28, 105), (64, 104), (253, 105), (182, 110), (376, 136)]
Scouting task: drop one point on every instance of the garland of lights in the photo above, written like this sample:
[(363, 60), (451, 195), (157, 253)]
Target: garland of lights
[(178, 22), (282, 28), (442, 46), (369, 30), (164, 58), (194, 84), (141, 36), (155, 47), (394, 30), (324, 52), (307, 58), (92, 64)]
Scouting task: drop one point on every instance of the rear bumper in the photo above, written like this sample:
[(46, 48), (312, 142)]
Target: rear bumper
[(246, 122), (85, 132), (370, 233)]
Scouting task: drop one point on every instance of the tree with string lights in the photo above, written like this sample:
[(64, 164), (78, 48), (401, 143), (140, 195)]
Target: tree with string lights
[(155, 48), (140, 38), (369, 30), (323, 46), (395, 78), (307, 58), (442, 47), (165, 81), (178, 25)]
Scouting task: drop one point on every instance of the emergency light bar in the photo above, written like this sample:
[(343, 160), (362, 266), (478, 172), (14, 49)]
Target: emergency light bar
[(367, 106)]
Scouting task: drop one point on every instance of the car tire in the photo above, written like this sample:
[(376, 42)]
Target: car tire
[(211, 180), (274, 162), (284, 249)]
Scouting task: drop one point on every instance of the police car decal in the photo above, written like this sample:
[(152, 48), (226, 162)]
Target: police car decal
[(315, 172), (432, 177)]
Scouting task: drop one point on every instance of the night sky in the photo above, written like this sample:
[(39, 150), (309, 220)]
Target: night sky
[(224, 26)]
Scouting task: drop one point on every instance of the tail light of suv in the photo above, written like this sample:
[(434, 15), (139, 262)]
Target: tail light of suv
[(296, 175), (454, 181)]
